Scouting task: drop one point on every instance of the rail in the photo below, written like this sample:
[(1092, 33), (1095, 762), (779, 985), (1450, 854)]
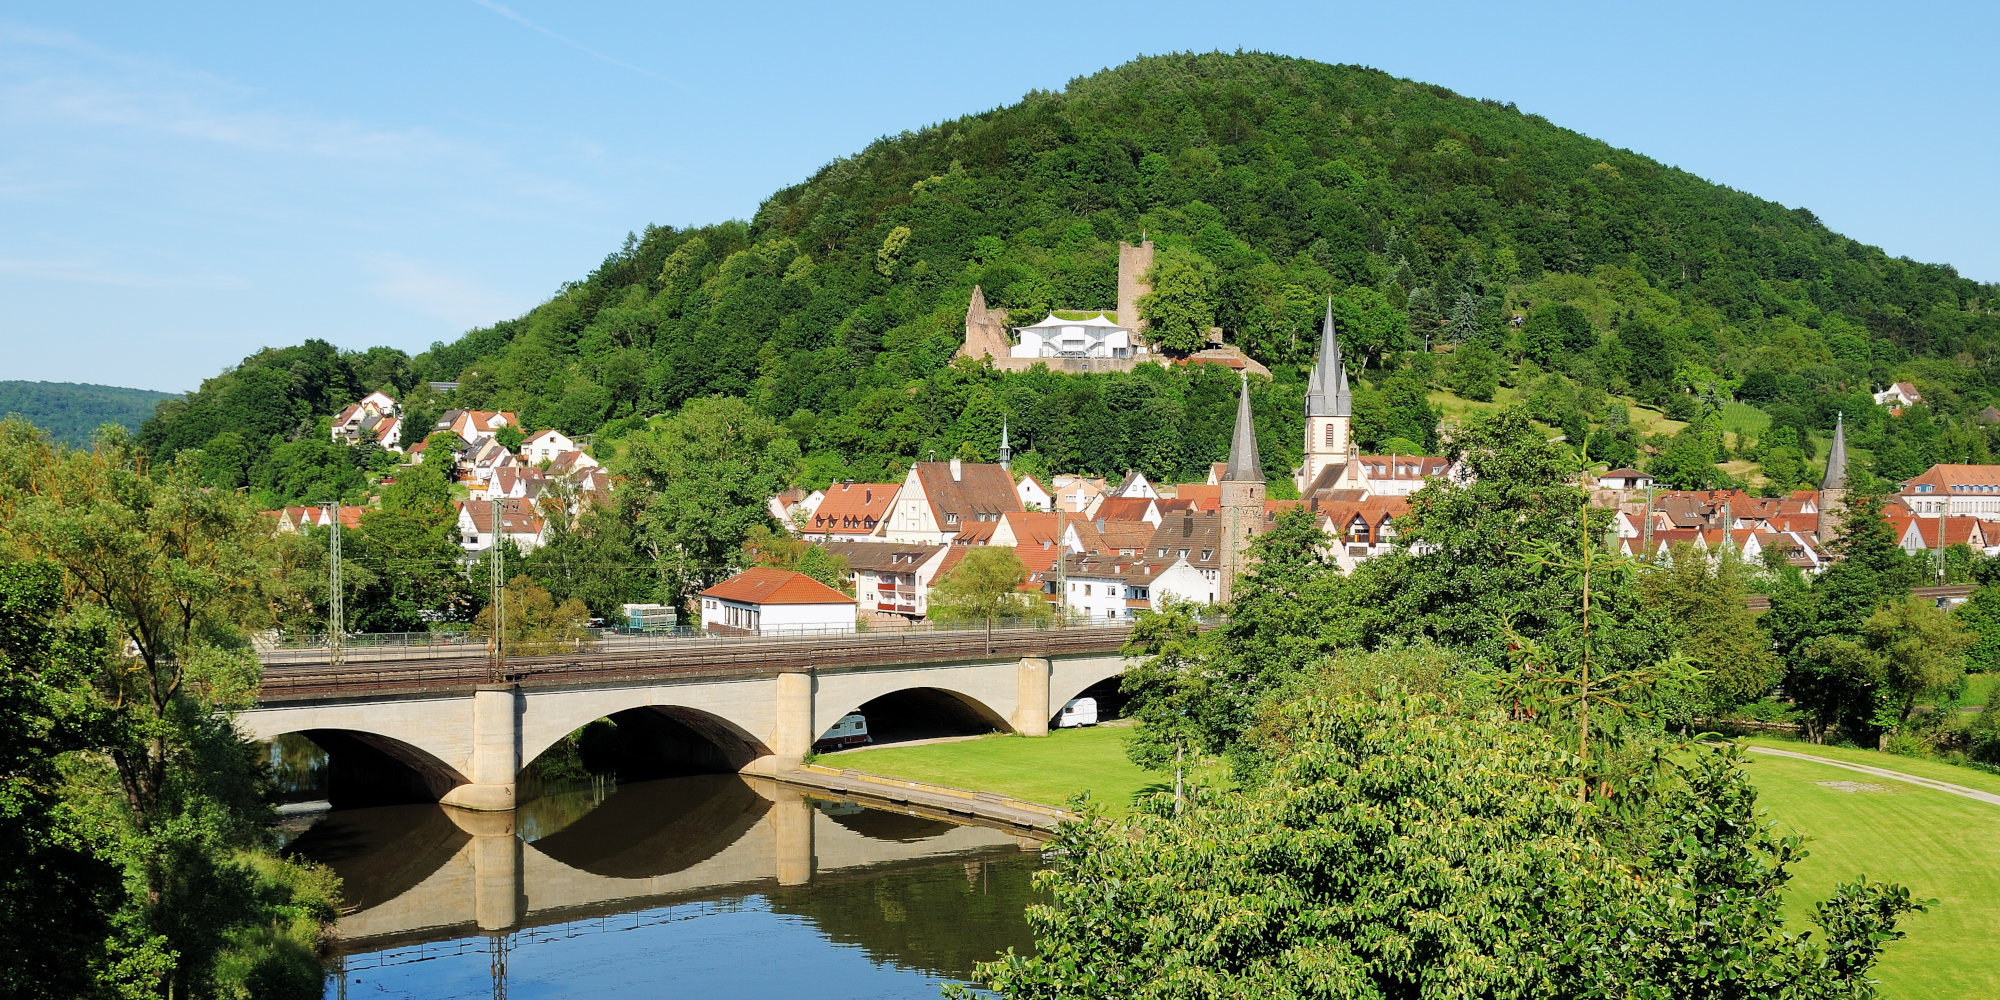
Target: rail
[(690, 658)]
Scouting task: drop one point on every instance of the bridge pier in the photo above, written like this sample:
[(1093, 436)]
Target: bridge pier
[(791, 819), (496, 751), (792, 732), (497, 889), (1031, 705)]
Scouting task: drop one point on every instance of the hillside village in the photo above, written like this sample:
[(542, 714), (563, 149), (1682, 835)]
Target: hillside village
[(1102, 551)]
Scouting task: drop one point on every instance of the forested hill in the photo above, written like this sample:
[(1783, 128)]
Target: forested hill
[(1268, 183), (71, 412)]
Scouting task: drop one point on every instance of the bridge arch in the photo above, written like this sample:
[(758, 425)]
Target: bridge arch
[(373, 769), (919, 711), (1073, 676), (705, 738)]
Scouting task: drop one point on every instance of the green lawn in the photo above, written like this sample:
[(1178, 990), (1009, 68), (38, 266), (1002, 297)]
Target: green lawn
[(1935, 770), (1742, 418), (1942, 846), (1047, 770)]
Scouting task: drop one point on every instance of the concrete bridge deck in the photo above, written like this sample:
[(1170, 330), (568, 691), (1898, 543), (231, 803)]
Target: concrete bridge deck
[(448, 729)]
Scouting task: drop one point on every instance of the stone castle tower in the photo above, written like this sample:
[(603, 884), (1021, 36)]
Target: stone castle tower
[(1242, 496), (1133, 263), (1329, 408), (1833, 486)]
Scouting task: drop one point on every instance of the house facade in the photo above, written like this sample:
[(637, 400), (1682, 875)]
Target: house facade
[(938, 499), (767, 601)]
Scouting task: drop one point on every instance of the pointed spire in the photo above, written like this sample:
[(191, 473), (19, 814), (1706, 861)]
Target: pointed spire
[(1326, 391), (1836, 458), (1243, 465), (1006, 453)]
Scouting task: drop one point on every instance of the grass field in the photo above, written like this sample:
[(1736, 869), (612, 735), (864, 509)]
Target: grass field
[(1942, 846), (1742, 418), (1048, 770)]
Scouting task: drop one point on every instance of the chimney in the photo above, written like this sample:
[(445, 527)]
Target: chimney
[(868, 496), (956, 469)]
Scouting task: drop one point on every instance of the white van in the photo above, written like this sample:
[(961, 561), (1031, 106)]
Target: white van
[(850, 731), (1079, 712)]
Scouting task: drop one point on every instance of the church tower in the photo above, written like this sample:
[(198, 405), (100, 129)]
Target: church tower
[(1329, 406), (1833, 486), (1242, 496)]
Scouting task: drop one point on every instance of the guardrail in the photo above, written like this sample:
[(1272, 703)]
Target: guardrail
[(712, 656)]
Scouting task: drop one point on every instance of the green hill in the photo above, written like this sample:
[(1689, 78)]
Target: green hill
[(1268, 183), (72, 411)]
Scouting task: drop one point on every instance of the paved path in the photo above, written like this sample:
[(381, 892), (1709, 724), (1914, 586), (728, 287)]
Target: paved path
[(1883, 772)]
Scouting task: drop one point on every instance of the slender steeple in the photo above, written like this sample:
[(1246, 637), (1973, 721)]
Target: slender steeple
[(1006, 453), (1326, 391), (1836, 458), (1243, 465)]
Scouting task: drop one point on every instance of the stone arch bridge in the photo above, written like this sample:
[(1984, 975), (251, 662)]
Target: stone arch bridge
[(453, 730)]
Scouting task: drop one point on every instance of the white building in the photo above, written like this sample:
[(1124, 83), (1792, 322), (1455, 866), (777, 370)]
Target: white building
[(1899, 394), (544, 446), (766, 601), (376, 418), (1096, 337), (1032, 494), (519, 522)]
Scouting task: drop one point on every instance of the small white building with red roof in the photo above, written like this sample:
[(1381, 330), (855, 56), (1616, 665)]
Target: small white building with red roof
[(766, 601)]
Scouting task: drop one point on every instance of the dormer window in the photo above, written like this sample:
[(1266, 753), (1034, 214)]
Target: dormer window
[(951, 519), (1206, 554)]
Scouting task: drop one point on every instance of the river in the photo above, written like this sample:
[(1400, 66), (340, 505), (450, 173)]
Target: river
[(710, 885)]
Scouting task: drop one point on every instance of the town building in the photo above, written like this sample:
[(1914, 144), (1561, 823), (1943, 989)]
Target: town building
[(1332, 464), (1097, 337), (472, 425), (891, 579), (794, 507), (766, 601), (519, 522), (1399, 475), (1899, 395), (544, 446), (939, 499), (1625, 480), (375, 418), (1033, 495), (1953, 490), (850, 512)]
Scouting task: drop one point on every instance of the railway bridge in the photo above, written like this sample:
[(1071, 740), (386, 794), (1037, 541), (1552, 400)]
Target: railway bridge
[(446, 725)]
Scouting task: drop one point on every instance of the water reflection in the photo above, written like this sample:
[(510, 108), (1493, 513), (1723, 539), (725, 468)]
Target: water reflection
[(656, 885)]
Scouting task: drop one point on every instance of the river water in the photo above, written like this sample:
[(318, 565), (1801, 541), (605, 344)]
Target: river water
[(710, 885)]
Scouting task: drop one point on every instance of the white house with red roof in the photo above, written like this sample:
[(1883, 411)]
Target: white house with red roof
[(938, 499), (1899, 395), (767, 601), (1950, 490), (375, 418), (850, 512), (1033, 495)]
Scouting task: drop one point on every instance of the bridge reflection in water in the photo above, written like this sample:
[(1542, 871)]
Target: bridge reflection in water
[(478, 889)]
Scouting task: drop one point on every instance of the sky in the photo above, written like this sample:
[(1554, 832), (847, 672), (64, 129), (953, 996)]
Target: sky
[(182, 184)]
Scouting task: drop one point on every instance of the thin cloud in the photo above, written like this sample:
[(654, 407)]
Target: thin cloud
[(432, 291), (510, 15)]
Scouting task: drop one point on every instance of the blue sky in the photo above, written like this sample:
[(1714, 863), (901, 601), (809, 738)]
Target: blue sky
[(181, 184)]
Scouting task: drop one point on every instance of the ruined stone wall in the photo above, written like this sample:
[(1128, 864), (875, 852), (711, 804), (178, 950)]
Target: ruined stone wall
[(985, 330)]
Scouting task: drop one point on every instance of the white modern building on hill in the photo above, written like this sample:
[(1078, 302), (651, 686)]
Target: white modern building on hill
[(1055, 337)]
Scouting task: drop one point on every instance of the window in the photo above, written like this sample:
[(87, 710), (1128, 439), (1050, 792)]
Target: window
[(1207, 554), (1086, 590), (951, 519), (1329, 434), (1110, 612)]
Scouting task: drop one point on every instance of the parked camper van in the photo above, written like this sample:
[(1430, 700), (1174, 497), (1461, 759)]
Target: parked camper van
[(850, 731), (1079, 712)]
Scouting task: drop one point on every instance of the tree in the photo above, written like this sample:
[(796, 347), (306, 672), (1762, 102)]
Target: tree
[(410, 542), (1980, 614), (707, 473), (1475, 371), (533, 623), (1181, 307), (1908, 650), (1415, 845), (1702, 601), (1688, 462), (985, 587), (1555, 331)]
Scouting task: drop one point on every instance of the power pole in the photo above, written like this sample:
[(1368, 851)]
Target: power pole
[(496, 600), (336, 604), (1062, 572)]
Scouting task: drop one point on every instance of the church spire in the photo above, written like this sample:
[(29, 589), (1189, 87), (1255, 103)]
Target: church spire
[(1243, 465), (1006, 453), (1836, 458), (1326, 391)]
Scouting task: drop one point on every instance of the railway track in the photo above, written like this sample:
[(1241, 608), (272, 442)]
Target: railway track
[(292, 681)]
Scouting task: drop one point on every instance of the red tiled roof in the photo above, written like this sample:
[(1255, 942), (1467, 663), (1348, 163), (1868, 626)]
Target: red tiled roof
[(1124, 508), (765, 585), (852, 507)]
